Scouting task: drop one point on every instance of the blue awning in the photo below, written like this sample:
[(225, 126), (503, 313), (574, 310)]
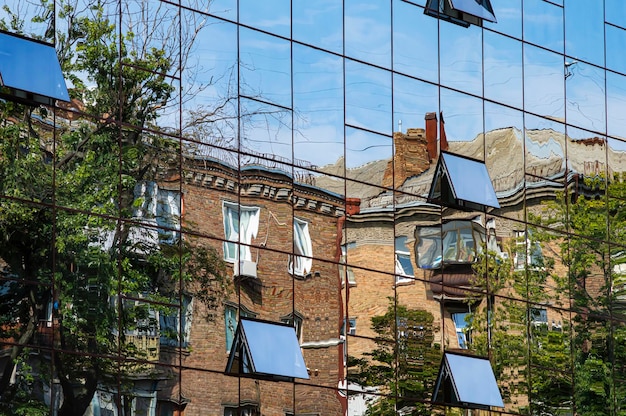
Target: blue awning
[(30, 71), (462, 182), (266, 349), (467, 380)]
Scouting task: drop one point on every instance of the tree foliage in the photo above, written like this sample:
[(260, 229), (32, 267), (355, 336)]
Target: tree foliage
[(72, 241), (404, 363)]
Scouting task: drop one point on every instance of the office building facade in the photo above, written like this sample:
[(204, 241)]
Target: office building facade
[(429, 193)]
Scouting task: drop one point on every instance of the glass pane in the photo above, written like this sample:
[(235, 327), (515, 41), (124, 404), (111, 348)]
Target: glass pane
[(504, 147), (509, 17), (503, 69), (543, 82), (368, 97), (319, 23), (265, 69), (271, 16), (368, 31), (463, 118), (414, 42), (615, 12), (545, 148), (584, 31), (266, 132), (461, 58), (585, 92), (209, 85), (22, 64), (615, 101), (363, 147), (543, 24), (615, 38), (412, 100), (318, 103)]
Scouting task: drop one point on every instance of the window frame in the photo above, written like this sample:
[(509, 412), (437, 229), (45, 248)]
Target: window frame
[(301, 261), (401, 252), (237, 246)]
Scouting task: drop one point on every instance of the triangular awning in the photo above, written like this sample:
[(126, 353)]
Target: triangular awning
[(267, 350), (462, 182), (30, 71), (478, 8), (467, 381), (461, 12)]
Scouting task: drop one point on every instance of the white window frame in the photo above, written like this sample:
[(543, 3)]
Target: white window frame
[(173, 321), (461, 331), (344, 269), (401, 275), (301, 262), (241, 235), (525, 249), (160, 209)]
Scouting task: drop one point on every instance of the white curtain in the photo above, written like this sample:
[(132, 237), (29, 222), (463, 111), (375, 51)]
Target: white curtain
[(302, 244)]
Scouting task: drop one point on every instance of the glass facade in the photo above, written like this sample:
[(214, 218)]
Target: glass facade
[(278, 160)]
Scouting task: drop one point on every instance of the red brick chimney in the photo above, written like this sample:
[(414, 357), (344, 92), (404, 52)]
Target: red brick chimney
[(431, 135), (443, 141)]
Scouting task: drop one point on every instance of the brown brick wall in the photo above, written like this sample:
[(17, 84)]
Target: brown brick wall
[(273, 295)]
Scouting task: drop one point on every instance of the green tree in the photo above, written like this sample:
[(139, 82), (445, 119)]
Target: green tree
[(71, 235), (404, 363)]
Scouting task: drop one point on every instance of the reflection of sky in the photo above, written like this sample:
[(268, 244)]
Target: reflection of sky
[(363, 147), (368, 31), (270, 15), (319, 23), (317, 78)]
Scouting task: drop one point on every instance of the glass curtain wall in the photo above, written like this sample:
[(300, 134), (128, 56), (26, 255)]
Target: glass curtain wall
[(280, 161)]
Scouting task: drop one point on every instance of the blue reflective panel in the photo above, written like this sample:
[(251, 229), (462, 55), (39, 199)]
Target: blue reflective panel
[(473, 380), (470, 180), (274, 349), (31, 67), (478, 8)]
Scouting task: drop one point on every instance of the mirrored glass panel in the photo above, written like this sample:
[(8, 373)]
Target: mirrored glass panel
[(585, 96), (319, 23), (225, 9), (509, 17), (265, 70), (363, 148), (463, 122), (504, 147), (615, 36), (266, 131), (616, 104), (412, 100), (368, 31), (209, 86), (543, 24), (414, 42), (318, 103), (545, 148), (544, 73), (584, 31), (272, 16), (503, 69), (615, 12), (461, 57), (368, 97)]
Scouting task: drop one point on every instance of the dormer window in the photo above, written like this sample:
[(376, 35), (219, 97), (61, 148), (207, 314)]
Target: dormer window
[(456, 242), (461, 12)]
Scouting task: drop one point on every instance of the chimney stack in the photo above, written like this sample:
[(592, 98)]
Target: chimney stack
[(431, 135)]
